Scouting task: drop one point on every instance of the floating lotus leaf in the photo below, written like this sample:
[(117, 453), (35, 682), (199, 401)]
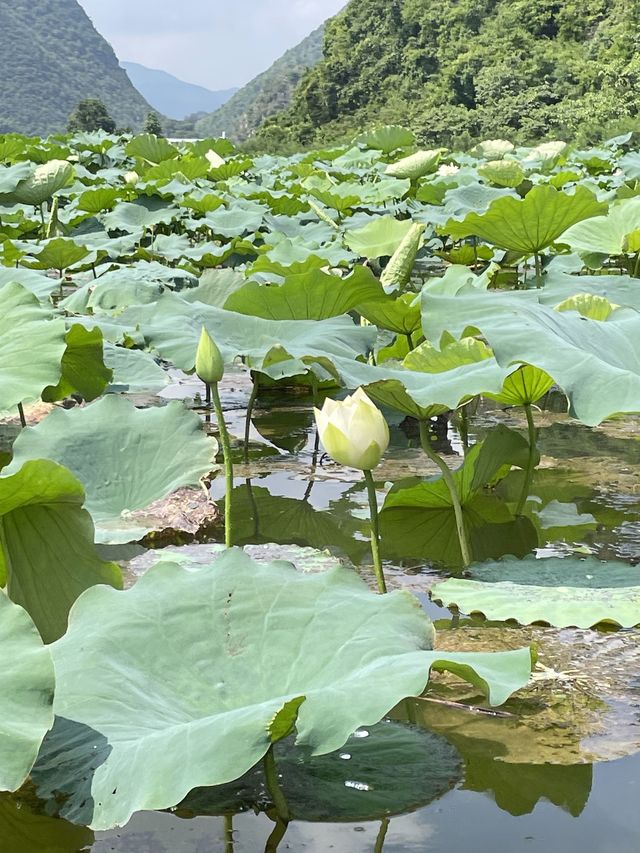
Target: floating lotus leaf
[(31, 347), (530, 224), (26, 695), (187, 678), (47, 555), (134, 371), (561, 591), (596, 364), (607, 234), (126, 458), (309, 296)]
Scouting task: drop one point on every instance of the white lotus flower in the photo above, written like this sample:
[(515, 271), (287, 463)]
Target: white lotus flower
[(353, 431)]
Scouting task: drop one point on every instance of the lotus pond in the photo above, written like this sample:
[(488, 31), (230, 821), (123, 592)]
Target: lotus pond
[(319, 497)]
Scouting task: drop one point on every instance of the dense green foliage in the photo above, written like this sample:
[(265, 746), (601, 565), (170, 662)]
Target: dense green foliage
[(52, 57), (267, 94), (459, 70), (90, 115)]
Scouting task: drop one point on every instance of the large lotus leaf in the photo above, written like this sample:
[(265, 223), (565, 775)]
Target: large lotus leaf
[(597, 364), (310, 296), (606, 235), (134, 371), (172, 327), (83, 369), (373, 774), (37, 283), (130, 217), (215, 287), (47, 555), (379, 237), (493, 149), (26, 694), (503, 173), (524, 386), (234, 222), (387, 138), (31, 346), (399, 314), (530, 224), (45, 180), (151, 148), (485, 463), (630, 165), (59, 254), (26, 831), (11, 176), (478, 198), (98, 200), (617, 289), (444, 389), (416, 165), (126, 458), (187, 678), (562, 591)]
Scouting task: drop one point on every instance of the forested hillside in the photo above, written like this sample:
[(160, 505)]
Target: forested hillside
[(51, 57), (267, 94), (458, 70)]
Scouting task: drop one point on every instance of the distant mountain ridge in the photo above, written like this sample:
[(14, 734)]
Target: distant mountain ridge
[(266, 95), (51, 57), (171, 96), (457, 71)]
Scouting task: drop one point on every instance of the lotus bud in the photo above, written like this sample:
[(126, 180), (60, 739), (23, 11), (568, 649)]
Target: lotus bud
[(353, 431), (209, 361), (131, 178)]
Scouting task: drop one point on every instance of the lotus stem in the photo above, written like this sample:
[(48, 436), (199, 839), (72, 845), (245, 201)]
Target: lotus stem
[(375, 532), (274, 789), (447, 476), (528, 478), (228, 463), (538, 264), (228, 833), (382, 834), (247, 423), (23, 420)]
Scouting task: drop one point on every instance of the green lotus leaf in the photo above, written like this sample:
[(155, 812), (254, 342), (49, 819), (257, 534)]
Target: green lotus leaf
[(46, 180), (561, 591), (83, 369), (416, 165), (130, 217), (215, 287), (172, 327), (37, 283), (387, 138), (524, 386), (126, 458), (31, 347), (212, 661), (630, 165), (152, 149), (98, 200), (379, 237), (310, 296), (47, 555), (596, 364), (234, 222), (616, 289), (26, 695), (502, 173), (530, 224), (485, 463), (588, 305), (12, 176), (493, 149), (398, 314), (134, 371), (607, 234), (59, 253), (374, 773)]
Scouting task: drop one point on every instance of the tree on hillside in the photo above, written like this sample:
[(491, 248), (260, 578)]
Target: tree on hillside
[(91, 114), (152, 124)]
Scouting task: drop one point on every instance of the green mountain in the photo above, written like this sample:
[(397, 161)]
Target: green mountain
[(459, 70), (267, 94), (171, 96), (51, 57)]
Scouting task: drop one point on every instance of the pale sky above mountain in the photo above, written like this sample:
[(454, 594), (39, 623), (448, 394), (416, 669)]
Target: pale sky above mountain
[(216, 43)]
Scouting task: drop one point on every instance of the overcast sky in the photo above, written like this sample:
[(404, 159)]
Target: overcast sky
[(216, 43)]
